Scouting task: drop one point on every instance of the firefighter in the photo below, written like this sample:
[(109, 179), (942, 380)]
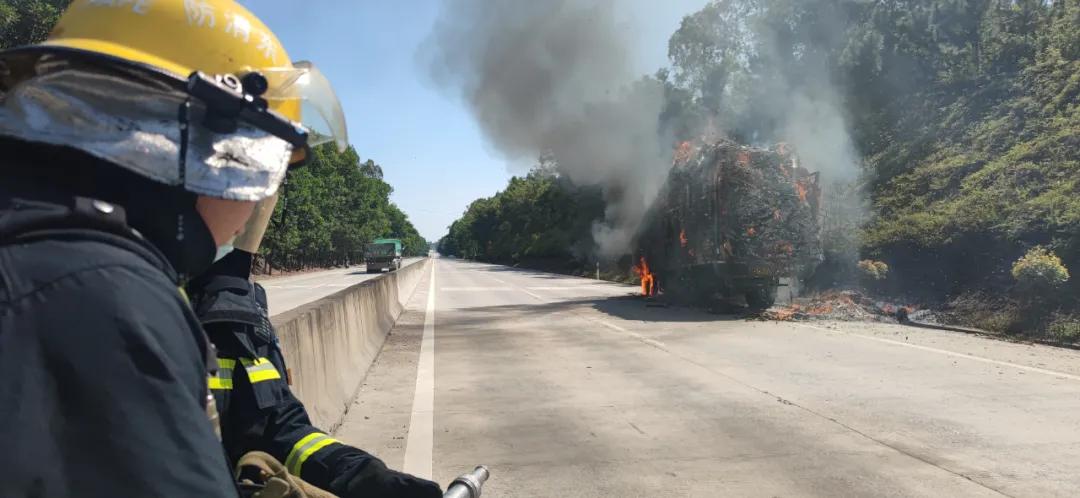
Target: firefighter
[(135, 143), (258, 410)]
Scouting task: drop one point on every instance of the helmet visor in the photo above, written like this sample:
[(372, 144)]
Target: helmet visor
[(320, 110), (251, 237)]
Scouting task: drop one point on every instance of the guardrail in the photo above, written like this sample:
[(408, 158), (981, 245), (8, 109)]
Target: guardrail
[(330, 344)]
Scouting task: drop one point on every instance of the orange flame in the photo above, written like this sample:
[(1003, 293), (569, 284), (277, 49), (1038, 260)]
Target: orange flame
[(648, 287), (801, 190), (750, 232), (683, 152), (744, 158), (683, 241)]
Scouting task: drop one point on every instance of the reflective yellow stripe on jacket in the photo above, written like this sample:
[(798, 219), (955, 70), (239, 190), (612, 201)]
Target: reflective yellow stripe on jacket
[(304, 448), (223, 378), (260, 370)]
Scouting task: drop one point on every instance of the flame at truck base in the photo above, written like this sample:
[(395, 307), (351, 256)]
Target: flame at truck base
[(648, 281)]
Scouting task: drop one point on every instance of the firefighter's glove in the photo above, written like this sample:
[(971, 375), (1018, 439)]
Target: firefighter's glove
[(392, 484)]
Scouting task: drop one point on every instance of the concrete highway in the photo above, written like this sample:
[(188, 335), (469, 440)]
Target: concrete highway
[(286, 293), (568, 387)]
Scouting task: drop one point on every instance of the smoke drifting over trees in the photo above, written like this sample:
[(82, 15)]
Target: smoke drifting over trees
[(555, 78), (759, 71), (958, 118)]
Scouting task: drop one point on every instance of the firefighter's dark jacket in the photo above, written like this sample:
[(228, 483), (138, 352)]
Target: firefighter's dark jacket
[(102, 361), (258, 410)]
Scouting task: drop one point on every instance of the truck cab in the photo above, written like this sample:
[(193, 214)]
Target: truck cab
[(383, 254)]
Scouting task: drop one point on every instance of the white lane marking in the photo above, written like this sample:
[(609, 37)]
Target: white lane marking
[(473, 289), (313, 286), (612, 326), (309, 287), (291, 281), (313, 276), (418, 444), (537, 296), (652, 342), (945, 352), (569, 287)]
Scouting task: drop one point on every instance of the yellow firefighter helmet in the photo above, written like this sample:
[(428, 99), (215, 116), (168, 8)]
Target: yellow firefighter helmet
[(216, 37), (200, 41)]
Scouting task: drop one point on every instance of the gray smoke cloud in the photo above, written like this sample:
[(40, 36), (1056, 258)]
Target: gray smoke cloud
[(556, 78), (805, 106), (817, 128), (795, 97)]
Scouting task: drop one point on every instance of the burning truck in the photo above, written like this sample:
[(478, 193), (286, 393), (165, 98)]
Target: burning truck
[(730, 222)]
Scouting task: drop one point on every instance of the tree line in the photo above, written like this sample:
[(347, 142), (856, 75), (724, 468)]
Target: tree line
[(963, 117), (23, 22), (537, 216), (329, 208)]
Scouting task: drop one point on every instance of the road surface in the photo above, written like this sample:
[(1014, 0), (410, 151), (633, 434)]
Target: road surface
[(567, 387), (286, 293)]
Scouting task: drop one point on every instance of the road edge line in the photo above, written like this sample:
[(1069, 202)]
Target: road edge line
[(1052, 373), (420, 438)]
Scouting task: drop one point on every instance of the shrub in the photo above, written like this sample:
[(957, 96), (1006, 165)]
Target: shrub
[(1040, 270), (988, 311), (1064, 328), (873, 270)]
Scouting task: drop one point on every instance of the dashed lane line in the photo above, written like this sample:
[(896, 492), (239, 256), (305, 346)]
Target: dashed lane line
[(537, 296), (652, 342), (474, 289)]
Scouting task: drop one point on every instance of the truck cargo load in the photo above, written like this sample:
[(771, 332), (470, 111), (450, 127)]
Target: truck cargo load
[(729, 223)]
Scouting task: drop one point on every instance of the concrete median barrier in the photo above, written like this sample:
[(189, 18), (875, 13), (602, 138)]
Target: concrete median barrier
[(329, 344)]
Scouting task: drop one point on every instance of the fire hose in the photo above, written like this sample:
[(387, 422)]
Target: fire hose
[(260, 475), (468, 485)]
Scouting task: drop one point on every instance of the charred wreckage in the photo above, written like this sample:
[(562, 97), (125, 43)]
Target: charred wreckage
[(729, 224)]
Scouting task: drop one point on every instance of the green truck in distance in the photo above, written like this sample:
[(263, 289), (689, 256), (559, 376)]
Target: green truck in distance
[(383, 253)]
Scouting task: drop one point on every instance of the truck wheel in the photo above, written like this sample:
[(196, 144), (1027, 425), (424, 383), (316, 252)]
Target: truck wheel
[(761, 298)]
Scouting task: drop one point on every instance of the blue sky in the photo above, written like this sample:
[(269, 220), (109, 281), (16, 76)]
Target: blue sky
[(426, 141)]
